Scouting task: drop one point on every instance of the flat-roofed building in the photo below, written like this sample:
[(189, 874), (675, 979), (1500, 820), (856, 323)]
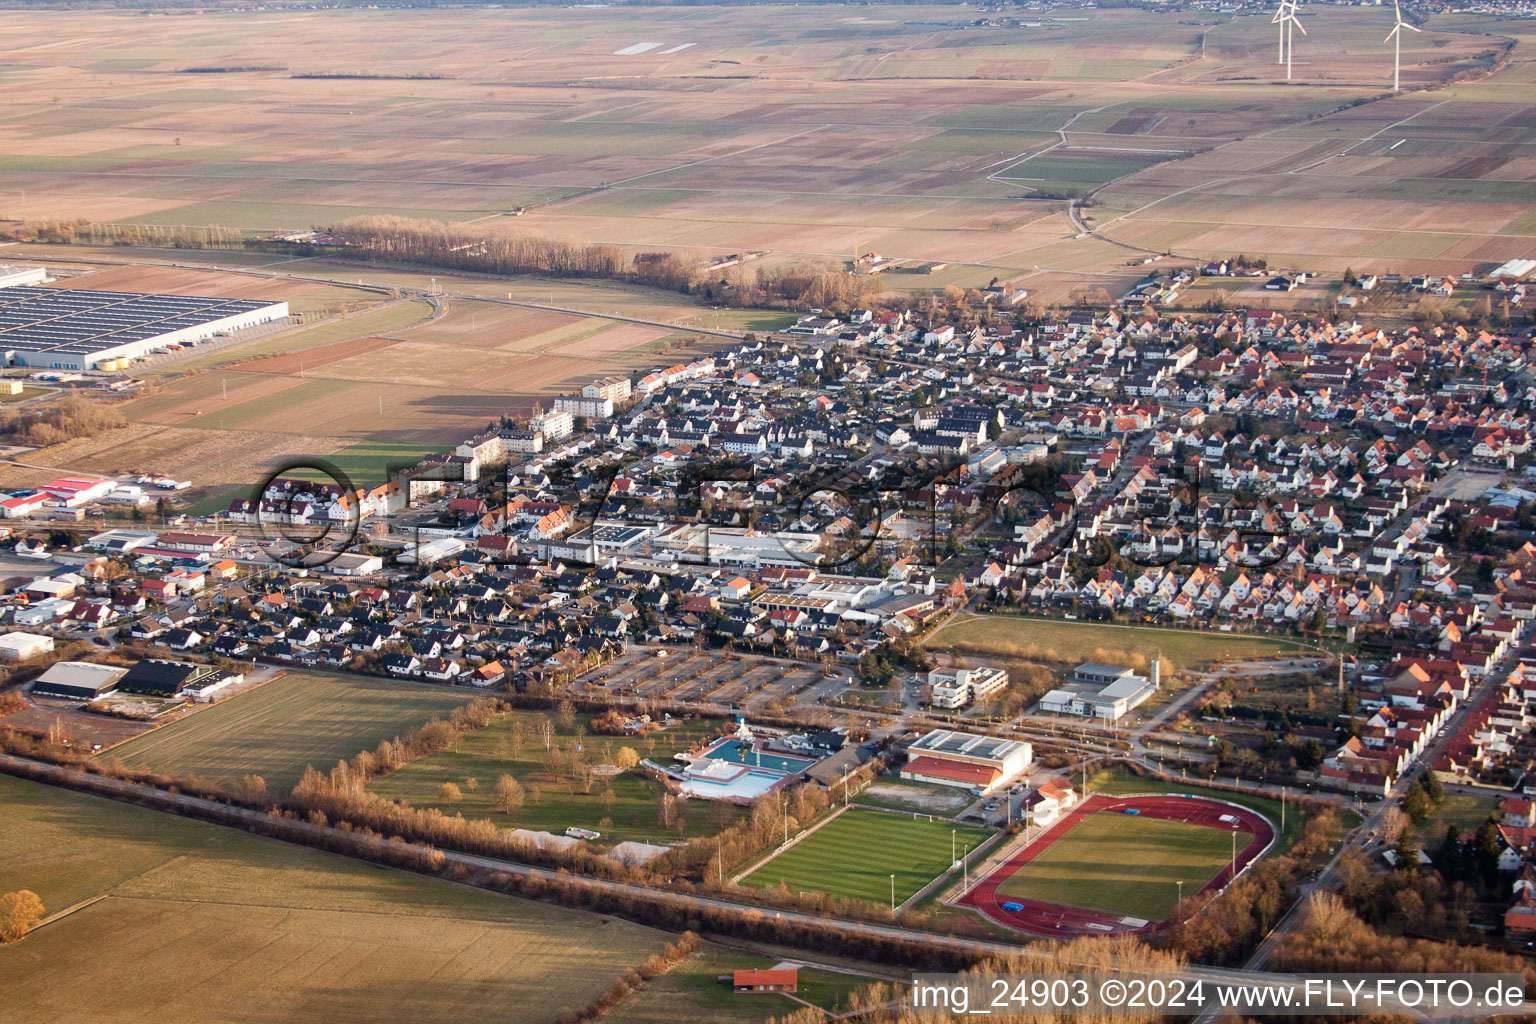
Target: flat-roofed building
[(21, 646), (967, 761), (78, 680), (1101, 691), (165, 678), (16, 277), (965, 686), (82, 329)]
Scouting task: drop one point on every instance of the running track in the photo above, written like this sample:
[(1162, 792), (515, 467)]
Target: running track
[(1058, 921)]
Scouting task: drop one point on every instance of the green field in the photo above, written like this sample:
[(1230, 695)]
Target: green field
[(1016, 636), (206, 923), (1119, 782), (692, 992), (277, 729), (855, 856), (1123, 864), (562, 801), (380, 319)]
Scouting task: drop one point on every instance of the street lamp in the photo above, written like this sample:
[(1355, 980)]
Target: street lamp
[(1180, 884), (893, 893)]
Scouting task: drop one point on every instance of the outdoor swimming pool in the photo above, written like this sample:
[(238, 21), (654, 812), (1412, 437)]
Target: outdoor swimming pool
[(737, 752)]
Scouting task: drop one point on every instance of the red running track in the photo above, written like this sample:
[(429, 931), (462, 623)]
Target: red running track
[(1059, 921)]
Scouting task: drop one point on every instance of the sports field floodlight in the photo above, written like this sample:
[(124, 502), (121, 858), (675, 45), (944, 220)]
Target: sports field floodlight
[(1396, 36)]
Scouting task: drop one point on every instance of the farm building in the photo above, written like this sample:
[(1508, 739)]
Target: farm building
[(79, 329), (1101, 691), (772, 980), (21, 646), (980, 763), (164, 678), (79, 680)]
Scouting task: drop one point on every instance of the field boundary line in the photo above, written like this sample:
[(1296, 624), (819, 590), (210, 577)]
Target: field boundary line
[(791, 844), (946, 876), (73, 908)]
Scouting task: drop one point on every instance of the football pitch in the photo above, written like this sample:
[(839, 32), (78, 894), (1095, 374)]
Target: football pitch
[(1124, 864), (856, 855)]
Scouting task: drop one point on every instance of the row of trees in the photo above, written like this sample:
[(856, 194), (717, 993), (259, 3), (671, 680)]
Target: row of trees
[(505, 249), (1332, 938), (77, 230), (654, 966)]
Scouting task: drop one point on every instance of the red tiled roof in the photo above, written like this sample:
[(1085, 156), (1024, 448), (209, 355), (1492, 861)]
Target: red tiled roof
[(959, 771), (742, 979)]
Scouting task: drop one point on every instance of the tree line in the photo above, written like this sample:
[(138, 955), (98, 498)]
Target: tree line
[(505, 249)]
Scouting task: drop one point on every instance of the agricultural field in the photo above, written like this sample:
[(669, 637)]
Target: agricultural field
[(1122, 864), (384, 384), (855, 855), (239, 922), (280, 727), (1054, 640), (725, 131), (560, 786)]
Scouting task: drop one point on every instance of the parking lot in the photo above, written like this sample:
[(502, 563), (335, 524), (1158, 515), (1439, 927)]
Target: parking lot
[(688, 676)]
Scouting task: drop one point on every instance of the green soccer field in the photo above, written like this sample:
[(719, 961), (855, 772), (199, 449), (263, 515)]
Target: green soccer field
[(1124, 864), (856, 855)]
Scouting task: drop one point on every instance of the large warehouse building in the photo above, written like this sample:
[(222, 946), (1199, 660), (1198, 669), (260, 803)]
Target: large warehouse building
[(78, 680), (77, 329), (977, 763)]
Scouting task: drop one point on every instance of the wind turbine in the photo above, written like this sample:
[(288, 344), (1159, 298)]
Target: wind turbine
[(1285, 17), (1279, 19), (1396, 35)]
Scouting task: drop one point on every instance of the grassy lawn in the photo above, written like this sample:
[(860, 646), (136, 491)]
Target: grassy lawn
[(1463, 810), (369, 462), (1123, 864), (238, 921), (1119, 782), (856, 855), (278, 728), (561, 801), (692, 992), (1015, 636)]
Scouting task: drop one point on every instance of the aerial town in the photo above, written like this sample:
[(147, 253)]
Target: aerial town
[(708, 626)]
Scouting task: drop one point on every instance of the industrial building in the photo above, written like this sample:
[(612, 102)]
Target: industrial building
[(163, 678), (79, 329), (977, 763), (14, 277), (78, 680), (1102, 691), (21, 646)]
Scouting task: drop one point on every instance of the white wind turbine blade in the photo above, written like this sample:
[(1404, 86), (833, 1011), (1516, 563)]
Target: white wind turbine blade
[(1298, 25), (1410, 28), (1392, 33)]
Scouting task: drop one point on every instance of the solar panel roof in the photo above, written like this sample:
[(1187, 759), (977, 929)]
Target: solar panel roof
[(80, 320)]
